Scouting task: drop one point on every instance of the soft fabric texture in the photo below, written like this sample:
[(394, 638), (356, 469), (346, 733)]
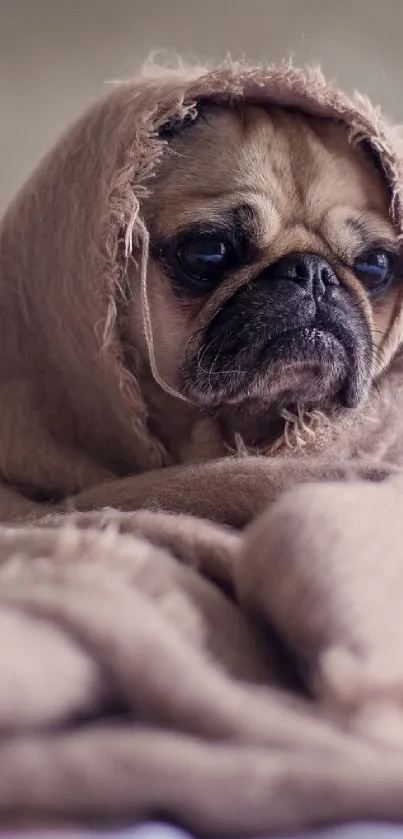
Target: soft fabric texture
[(153, 663), (132, 686)]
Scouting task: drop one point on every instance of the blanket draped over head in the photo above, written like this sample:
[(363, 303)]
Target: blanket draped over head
[(151, 664)]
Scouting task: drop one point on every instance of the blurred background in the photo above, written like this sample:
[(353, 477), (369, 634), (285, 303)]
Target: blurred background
[(56, 55)]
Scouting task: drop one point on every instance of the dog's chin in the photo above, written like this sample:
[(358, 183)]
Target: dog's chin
[(306, 366)]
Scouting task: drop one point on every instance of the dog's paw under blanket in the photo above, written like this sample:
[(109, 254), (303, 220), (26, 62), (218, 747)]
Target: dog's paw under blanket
[(328, 570)]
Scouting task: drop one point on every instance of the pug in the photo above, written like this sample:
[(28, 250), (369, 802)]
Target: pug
[(261, 292), (272, 282), (274, 267)]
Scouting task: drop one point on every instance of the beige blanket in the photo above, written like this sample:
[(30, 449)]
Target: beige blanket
[(238, 681), (131, 686)]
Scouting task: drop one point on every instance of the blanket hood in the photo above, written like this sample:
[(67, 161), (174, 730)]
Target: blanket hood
[(73, 411)]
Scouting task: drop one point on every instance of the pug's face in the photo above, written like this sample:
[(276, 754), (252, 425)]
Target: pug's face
[(274, 265)]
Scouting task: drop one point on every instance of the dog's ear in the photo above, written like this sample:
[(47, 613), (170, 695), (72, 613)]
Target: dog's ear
[(177, 123)]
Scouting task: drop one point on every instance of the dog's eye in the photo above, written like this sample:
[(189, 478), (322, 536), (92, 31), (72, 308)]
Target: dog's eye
[(375, 270), (204, 258)]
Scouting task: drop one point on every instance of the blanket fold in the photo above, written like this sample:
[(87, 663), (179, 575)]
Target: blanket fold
[(101, 623)]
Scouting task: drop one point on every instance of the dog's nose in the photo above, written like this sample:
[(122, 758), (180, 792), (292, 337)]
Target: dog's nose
[(307, 269)]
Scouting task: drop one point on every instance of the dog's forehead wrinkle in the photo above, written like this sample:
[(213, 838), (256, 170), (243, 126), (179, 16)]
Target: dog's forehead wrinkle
[(349, 230), (296, 165)]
